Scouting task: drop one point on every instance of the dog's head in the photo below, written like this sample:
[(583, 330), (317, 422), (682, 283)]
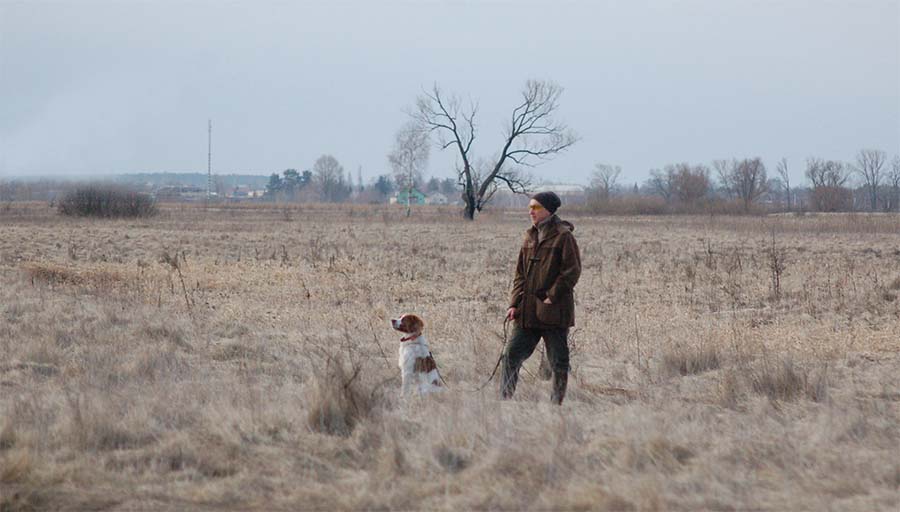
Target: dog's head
[(409, 324)]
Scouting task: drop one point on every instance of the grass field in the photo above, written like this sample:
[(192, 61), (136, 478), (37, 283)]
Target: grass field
[(241, 358)]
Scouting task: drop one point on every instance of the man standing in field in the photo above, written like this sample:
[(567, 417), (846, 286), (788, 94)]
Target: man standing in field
[(542, 301)]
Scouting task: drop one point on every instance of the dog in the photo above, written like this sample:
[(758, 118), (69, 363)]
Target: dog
[(417, 367)]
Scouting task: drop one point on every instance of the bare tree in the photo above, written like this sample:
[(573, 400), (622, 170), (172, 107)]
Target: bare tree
[(869, 165), (531, 136), (662, 182), (723, 169), (894, 179), (691, 183), (409, 157), (828, 178), (682, 183), (604, 178), (782, 170), (826, 173), (744, 179), (329, 176)]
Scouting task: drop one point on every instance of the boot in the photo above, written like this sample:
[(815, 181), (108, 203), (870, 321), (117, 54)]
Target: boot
[(560, 380)]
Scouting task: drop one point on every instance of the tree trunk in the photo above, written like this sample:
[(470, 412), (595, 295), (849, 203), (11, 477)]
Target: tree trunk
[(469, 211)]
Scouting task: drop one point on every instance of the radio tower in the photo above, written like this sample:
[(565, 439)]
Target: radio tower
[(209, 165)]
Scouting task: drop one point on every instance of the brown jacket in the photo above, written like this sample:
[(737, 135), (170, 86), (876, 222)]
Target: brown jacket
[(549, 266)]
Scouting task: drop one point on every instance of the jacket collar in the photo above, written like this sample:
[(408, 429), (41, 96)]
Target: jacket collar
[(546, 229)]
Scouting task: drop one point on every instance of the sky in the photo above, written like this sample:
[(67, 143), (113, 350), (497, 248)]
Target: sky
[(107, 87)]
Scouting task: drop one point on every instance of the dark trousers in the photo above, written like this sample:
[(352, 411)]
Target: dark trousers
[(520, 348)]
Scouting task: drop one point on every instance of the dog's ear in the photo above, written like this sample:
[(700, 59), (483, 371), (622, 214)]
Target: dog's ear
[(413, 323)]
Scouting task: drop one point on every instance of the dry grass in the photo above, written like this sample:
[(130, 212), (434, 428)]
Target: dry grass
[(241, 358), (691, 361)]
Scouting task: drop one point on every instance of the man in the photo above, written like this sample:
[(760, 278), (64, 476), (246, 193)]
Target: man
[(542, 300)]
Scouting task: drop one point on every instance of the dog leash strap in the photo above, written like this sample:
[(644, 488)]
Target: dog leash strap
[(499, 359)]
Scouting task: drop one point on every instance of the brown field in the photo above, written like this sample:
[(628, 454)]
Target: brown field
[(241, 359)]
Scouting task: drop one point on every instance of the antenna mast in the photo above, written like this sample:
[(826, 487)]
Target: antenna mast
[(209, 164)]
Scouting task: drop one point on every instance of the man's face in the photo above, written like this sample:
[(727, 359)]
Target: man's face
[(537, 212)]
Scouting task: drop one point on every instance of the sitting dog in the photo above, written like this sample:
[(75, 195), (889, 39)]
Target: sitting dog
[(417, 366)]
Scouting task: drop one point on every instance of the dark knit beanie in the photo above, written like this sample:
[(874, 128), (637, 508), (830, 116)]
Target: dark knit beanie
[(549, 200)]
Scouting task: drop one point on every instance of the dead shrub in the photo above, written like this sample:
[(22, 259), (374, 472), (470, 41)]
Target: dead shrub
[(690, 361), (106, 201), (338, 400)]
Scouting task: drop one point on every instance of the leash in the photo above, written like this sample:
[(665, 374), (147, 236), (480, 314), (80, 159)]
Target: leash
[(499, 359), (496, 365)]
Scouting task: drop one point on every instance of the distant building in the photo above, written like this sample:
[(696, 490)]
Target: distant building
[(415, 197)]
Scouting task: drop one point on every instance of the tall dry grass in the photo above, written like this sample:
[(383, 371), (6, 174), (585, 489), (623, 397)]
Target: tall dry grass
[(241, 358)]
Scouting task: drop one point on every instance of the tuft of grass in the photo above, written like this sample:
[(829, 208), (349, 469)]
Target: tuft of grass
[(17, 467), (95, 277), (338, 401), (450, 459), (690, 361), (208, 456), (787, 381), (656, 453), (730, 390), (7, 436), (99, 427), (895, 284)]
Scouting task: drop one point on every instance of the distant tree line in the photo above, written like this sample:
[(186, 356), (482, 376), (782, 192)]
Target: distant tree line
[(328, 182), (869, 183)]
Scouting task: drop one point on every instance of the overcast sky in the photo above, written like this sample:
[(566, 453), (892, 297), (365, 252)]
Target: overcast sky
[(102, 87)]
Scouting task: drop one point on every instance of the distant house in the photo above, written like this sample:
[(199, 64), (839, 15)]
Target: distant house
[(415, 197)]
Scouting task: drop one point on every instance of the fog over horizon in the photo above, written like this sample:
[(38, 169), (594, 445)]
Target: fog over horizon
[(100, 87)]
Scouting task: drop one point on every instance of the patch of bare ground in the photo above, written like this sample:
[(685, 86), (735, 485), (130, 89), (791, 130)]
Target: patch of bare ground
[(241, 358)]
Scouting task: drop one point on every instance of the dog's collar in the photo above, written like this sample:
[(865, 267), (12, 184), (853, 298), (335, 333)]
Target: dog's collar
[(410, 338)]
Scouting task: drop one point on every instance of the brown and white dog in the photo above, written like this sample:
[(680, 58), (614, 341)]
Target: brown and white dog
[(417, 367)]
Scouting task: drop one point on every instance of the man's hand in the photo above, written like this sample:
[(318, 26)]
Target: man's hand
[(511, 314), (548, 301)]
